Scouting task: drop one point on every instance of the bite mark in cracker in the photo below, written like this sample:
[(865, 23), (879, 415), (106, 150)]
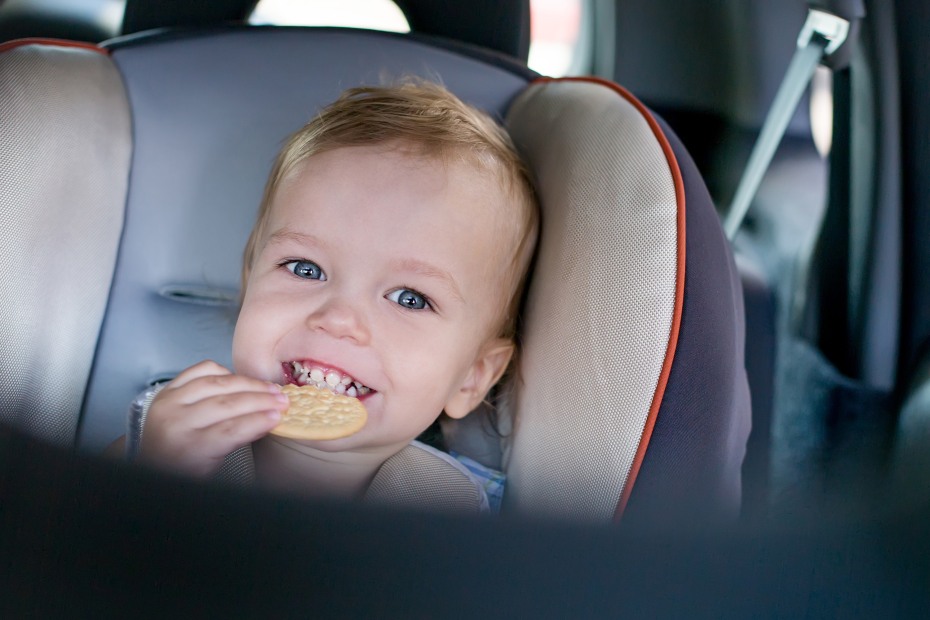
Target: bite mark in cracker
[(319, 414)]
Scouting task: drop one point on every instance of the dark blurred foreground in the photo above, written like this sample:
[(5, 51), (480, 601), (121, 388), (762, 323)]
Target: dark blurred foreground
[(87, 538)]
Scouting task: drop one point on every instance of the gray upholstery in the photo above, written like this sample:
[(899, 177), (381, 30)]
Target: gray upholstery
[(598, 325), (203, 148), (64, 165)]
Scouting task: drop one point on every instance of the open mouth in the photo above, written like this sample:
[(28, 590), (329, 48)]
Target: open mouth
[(334, 380)]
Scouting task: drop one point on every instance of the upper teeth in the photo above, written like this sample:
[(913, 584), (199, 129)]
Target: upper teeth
[(332, 380)]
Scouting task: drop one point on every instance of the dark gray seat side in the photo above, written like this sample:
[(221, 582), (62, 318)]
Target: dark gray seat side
[(716, 103)]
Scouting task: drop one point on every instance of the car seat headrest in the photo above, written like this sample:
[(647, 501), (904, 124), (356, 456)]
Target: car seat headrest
[(606, 305)]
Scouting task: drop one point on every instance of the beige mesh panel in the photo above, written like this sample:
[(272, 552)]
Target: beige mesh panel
[(64, 164), (601, 302), (415, 478)]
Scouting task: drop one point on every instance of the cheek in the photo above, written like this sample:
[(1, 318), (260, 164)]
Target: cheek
[(242, 346), (252, 337), (430, 363)]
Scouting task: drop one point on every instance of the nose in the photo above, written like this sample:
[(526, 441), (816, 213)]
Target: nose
[(341, 319)]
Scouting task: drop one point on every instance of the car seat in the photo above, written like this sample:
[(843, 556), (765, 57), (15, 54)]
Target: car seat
[(738, 53), (135, 170)]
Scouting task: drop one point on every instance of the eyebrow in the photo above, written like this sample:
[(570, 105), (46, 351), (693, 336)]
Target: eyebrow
[(286, 234), (421, 268)]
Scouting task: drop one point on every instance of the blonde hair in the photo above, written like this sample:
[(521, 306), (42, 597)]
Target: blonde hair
[(428, 117)]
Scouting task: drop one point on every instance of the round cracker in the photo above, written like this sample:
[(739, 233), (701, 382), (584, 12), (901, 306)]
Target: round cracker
[(319, 414)]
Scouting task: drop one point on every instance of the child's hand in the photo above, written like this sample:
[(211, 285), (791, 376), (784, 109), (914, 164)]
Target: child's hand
[(205, 413)]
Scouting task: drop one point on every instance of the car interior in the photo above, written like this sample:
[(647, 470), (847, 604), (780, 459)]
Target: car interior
[(758, 399)]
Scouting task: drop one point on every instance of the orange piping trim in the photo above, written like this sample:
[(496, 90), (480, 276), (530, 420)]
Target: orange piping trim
[(679, 281), (4, 47)]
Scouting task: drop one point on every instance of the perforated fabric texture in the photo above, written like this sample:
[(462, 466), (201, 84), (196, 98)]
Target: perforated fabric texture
[(601, 303), (238, 467), (64, 162), (417, 478)]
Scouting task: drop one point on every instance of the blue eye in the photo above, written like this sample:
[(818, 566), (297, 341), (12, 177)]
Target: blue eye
[(409, 299), (305, 269)]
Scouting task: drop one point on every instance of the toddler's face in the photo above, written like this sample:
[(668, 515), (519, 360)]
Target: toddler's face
[(385, 272)]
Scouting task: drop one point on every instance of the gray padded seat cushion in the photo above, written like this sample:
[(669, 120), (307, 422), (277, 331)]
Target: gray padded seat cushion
[(210, 110), (66, 146)]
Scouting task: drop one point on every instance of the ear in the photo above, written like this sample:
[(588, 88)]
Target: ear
[(490, 364)]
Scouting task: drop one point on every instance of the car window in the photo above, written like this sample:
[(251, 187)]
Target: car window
[(372, 14), (822, 110), (555, 25), (555, 36)]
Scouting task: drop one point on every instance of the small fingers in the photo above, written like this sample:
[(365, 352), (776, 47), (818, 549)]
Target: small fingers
[(216, 409), (234, 433), (201, 452), (201, 369), (203, 387), (205, 413)]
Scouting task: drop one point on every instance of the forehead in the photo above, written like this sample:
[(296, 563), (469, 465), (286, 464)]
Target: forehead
[(372, 196), (396, 182)]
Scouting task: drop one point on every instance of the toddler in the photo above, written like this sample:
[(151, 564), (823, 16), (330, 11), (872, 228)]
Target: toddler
[(390, 252)]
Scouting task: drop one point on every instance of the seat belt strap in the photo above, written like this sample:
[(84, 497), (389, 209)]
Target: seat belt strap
[(822, 34)]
